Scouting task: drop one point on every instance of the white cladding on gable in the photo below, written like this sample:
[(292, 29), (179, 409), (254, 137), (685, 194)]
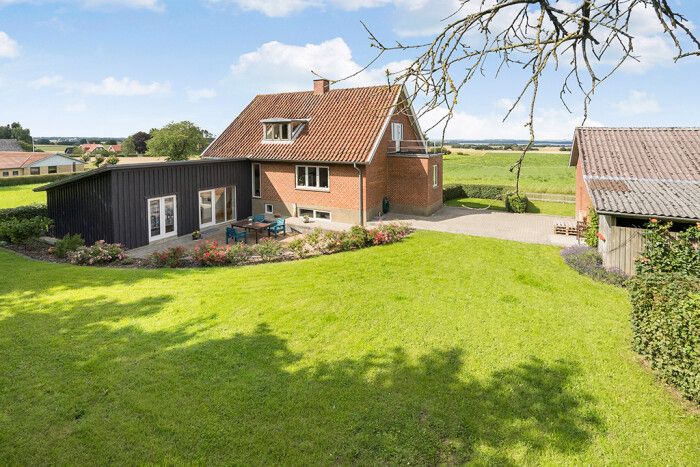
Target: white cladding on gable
[(56, 159)]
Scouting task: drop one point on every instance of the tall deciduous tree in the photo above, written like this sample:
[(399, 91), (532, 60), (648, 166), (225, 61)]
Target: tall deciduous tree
[(584, 41), (140, 138), (177, 141), (16, 131)]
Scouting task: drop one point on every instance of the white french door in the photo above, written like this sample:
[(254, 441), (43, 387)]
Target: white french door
[(217, 205), (162, 217)]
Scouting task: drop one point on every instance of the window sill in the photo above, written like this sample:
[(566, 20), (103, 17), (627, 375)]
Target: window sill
[(304, 188)]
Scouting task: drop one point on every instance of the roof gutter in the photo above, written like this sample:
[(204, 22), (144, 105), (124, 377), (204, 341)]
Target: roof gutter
[(648, 216)]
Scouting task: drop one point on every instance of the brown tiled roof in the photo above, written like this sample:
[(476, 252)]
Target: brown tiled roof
[(343, 126), (641, 171), (16, 160)]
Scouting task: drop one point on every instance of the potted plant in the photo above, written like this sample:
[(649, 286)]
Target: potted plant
[(306, 219), (196, 235)]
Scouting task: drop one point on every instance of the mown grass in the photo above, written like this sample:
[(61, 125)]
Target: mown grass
[(535, 207), (61, 148), (19, 195), (439, 349), (541, 173)]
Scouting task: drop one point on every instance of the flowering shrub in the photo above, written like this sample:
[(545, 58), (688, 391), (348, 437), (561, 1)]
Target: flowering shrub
[(172, 257), (587, 261), (269, 249), (99, 253), (211, 254), (238, 253), (391, 232)]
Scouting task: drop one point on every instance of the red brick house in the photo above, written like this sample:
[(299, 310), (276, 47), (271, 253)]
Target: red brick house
[(334, 154)]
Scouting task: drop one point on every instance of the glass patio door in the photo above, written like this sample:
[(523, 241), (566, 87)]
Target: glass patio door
[(162, 218), (216, 206)]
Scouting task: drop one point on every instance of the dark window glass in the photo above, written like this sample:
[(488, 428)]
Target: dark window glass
[(301, 176), (323, 177), (34, 171), (311, 174), (285, 131), (256, 180), (323, 215), (15, 172), (53, 169)]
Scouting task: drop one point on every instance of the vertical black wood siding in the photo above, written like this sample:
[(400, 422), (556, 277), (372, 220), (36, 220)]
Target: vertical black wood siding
[(127, 193)]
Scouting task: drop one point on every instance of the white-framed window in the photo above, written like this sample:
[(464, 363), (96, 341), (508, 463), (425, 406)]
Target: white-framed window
[(15, 172), (217, 205), (269, 209), (34, 171), (315, 214), (312, 177), (6, 174), (162, 217), (397, 135), (256, 177), (435, 176), (281, 131)]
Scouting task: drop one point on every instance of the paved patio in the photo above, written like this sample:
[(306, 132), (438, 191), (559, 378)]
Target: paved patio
[(528, 228)]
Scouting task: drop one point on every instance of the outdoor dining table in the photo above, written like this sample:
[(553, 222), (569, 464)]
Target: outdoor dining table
[(256, 227)]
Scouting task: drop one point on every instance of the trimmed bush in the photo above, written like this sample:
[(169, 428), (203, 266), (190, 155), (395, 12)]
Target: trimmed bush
[(666, 327), (67, 244), (18, 231), (172, 257), (24, 212), (456, 191), (592, 228), (32, 179), (666, 251), (587, 261), (516, 203), (100, 252)]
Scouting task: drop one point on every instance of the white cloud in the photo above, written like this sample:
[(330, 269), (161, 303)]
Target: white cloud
[(46, 81), (276, 8), (550, 124), (76, 107), (276, 67), (9, 48), (637, 103), (196, 95), (124, 87)]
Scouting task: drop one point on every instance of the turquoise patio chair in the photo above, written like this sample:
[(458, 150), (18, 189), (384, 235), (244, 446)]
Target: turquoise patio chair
[(235, 234), (259, 218), (277, 227)]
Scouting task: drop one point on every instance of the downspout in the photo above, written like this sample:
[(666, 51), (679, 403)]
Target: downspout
[(359, 193)]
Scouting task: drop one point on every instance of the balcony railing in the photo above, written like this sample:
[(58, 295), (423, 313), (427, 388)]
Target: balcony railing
[(408, 146)]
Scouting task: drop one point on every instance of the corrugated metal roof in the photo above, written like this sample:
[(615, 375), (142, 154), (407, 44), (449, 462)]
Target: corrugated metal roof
[(343, 125), (641, 171), (10, 145)]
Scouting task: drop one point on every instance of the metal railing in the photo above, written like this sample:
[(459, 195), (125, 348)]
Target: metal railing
[(409, 146)]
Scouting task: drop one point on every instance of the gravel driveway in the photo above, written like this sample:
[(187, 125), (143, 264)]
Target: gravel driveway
[(529, 228)]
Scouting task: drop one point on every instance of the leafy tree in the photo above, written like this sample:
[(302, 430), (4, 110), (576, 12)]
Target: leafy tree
[(16, 131), (177, 141), (140, 138), (99, 159), (128, 146), (111, 142)]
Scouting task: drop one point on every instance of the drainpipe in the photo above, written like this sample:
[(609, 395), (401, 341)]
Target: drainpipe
[(359, 193)]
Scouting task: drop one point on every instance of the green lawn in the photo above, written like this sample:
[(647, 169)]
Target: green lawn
[(439, 349), (52, 147), (19, 195), (538, 207), (542, 173)]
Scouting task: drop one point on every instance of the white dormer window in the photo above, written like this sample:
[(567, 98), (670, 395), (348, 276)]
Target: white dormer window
[(281, 130)]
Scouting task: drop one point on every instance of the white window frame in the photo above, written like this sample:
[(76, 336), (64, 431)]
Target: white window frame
[(252, 178), (315, 214), (397, 134), (213, 208), (271, 209), (306, 178), (161, 200), (435, 176), (38, 170), (291, 135)]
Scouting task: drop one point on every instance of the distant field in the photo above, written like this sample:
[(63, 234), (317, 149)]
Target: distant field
[(534, 207), (541, 173), (51, 147), (13, 196)]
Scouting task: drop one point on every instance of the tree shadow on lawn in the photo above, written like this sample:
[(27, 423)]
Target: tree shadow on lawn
[(80, 386)]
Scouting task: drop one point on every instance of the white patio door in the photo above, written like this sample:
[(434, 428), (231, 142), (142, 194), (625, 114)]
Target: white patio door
[(216, 206), (162, 218)]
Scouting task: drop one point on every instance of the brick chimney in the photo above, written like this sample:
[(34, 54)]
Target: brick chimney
[(321, 86)]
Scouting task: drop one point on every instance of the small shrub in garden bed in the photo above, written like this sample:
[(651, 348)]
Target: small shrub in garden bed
[(516, 203), (269, 249), (299, 247), (67, 244), (587, 261), (19, 231), (213, 254), (24, 212), (238, 253), (389, 233), (172, 257), (100, 252), (666, 327)]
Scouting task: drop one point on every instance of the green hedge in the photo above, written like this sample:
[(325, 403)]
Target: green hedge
[(24, 212), (516, 203), (32, 179), (666, 327), (456, 191)]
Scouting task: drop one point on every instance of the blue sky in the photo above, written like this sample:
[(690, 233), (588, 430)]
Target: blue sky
[(113, 67)]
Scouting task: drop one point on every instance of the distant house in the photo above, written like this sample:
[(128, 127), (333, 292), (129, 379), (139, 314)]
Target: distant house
[(115, 148), (630, 175), (19, 164), (90, 148), (10, 145), (341, 155)]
